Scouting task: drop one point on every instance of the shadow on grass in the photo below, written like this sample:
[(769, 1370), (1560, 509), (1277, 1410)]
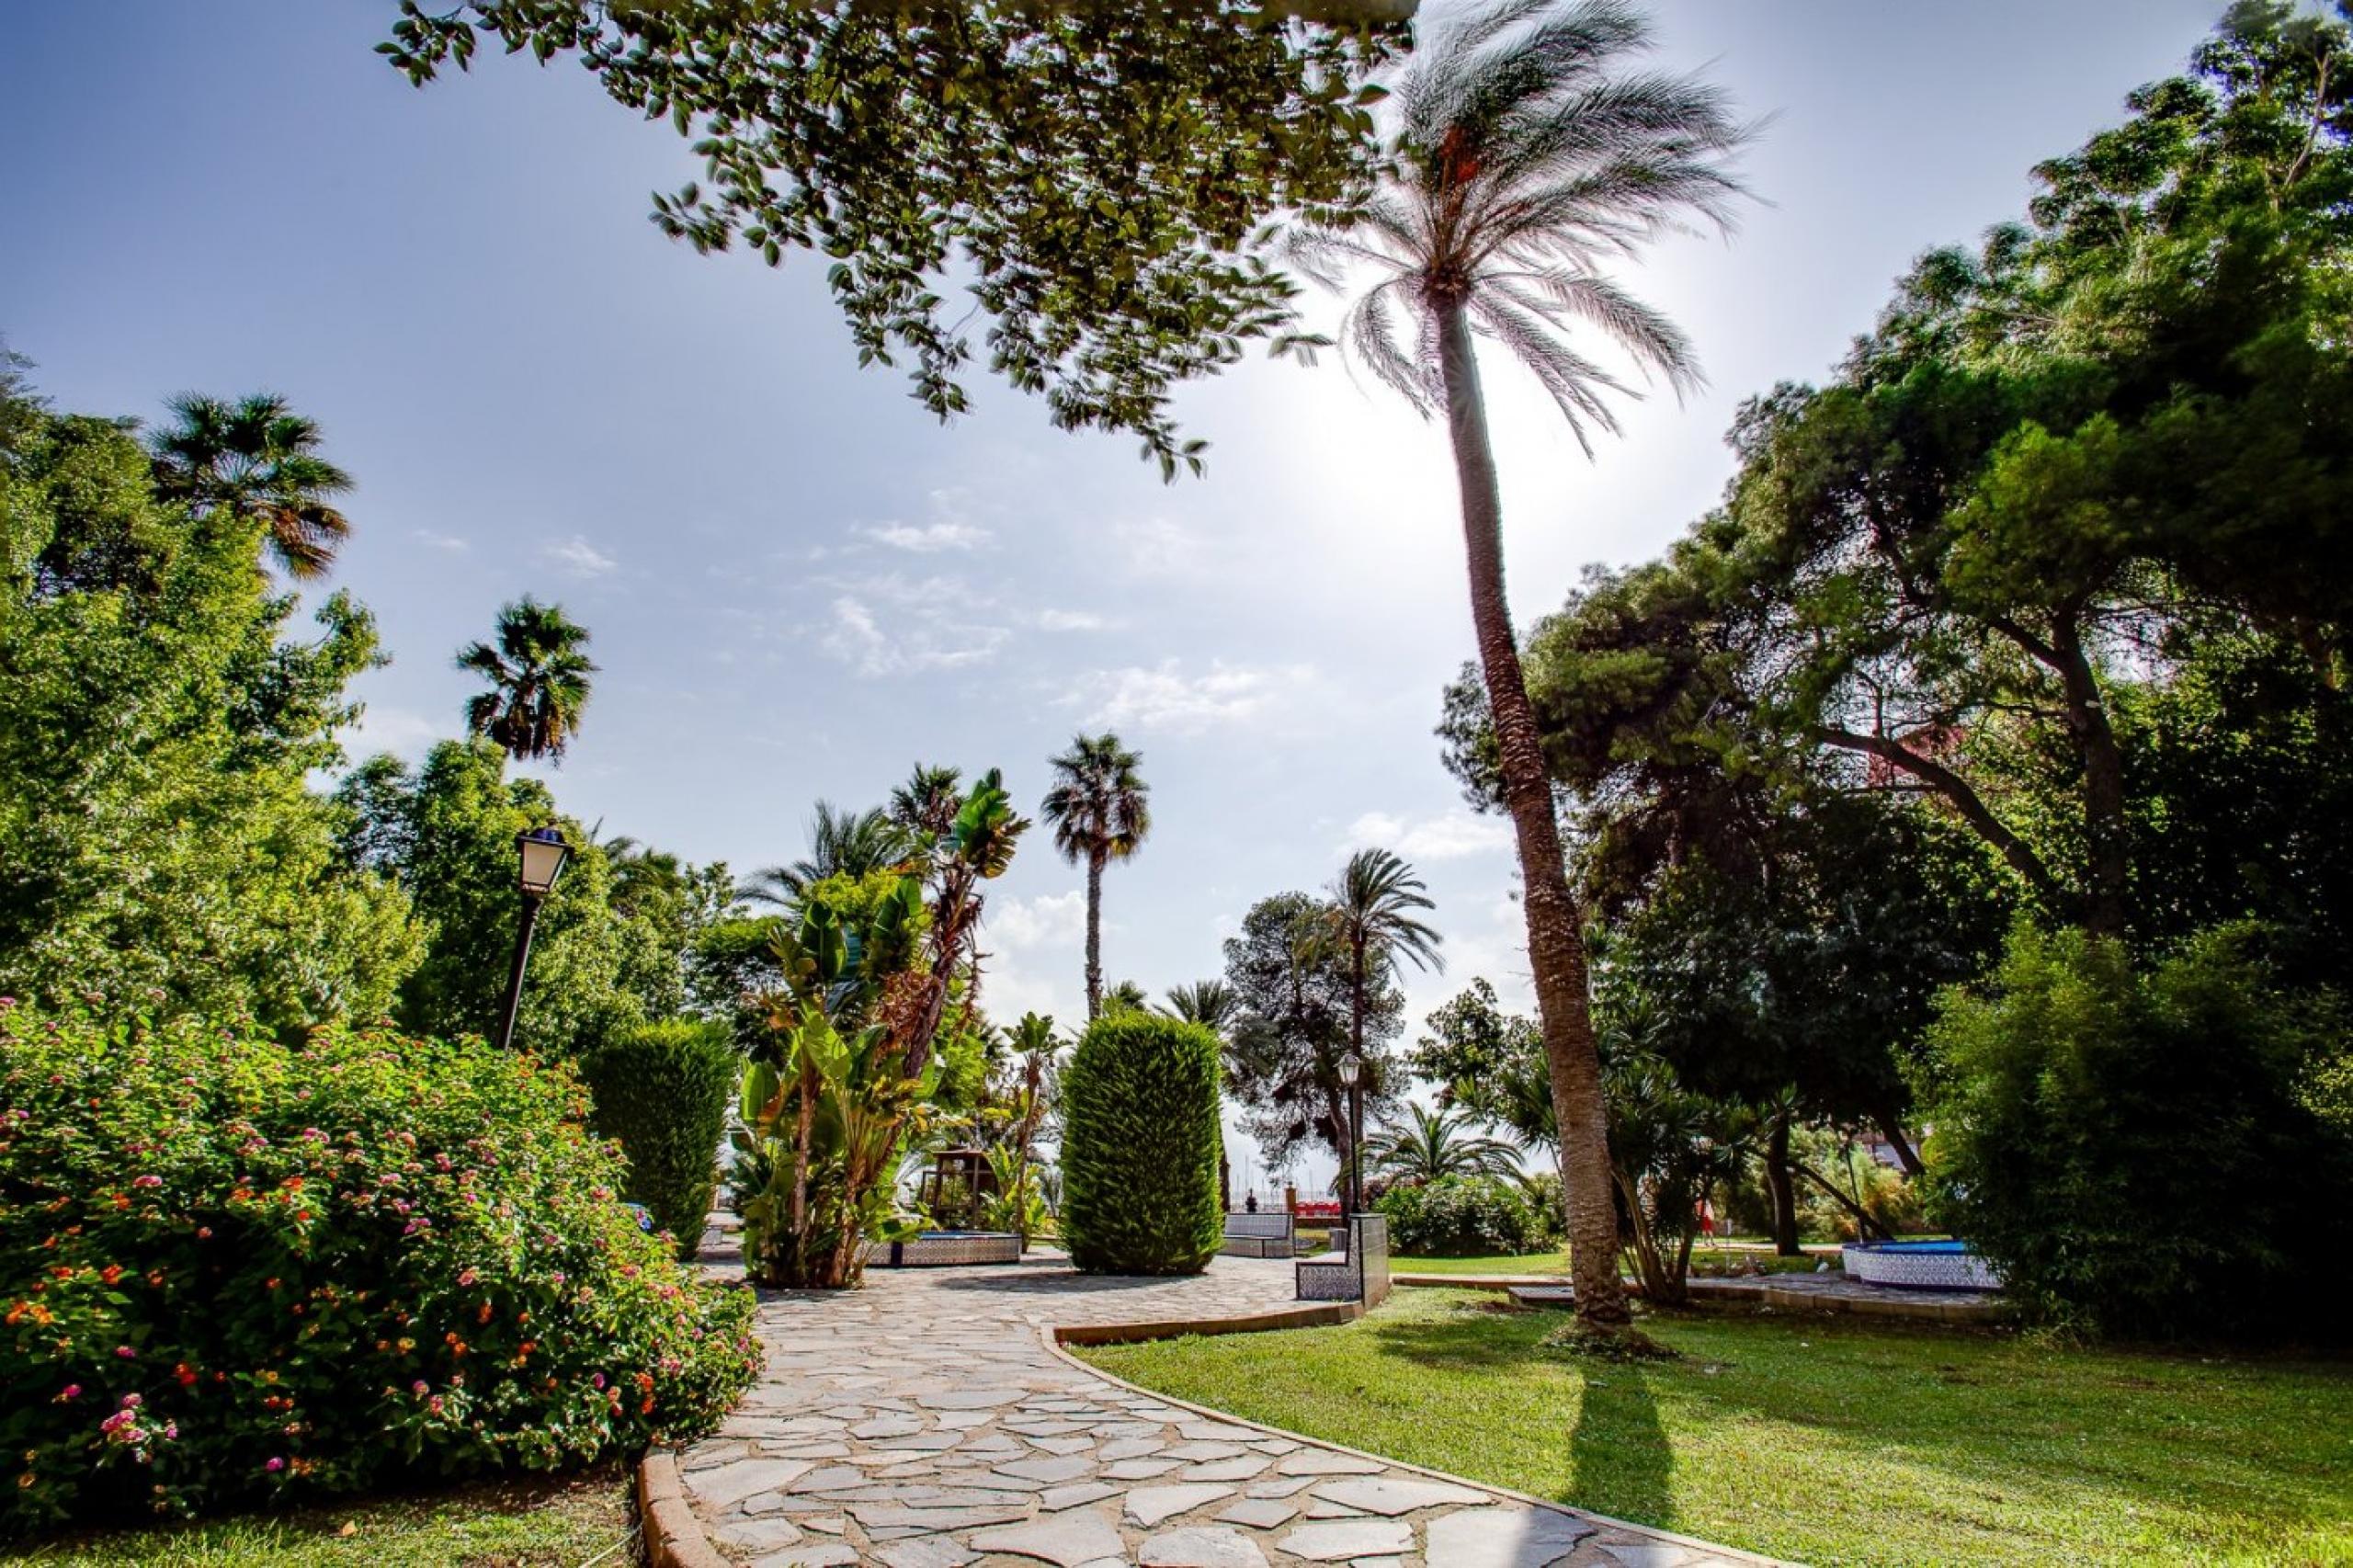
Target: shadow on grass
[(1620, 1461)]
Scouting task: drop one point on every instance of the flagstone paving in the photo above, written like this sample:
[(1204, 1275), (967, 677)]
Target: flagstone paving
[(922, 1422)]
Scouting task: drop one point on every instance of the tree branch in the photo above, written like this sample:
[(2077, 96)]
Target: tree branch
[(1956, 790)]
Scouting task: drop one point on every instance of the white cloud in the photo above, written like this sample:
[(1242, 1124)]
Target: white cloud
[(1070, 620), (434, 540), (856, 638), (1165, 698), (577, 556), (1157, 547), (927, 539), (1050, 920), (1451, 835)]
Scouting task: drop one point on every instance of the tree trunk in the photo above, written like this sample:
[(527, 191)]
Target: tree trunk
[(1783, 1190), (1094, 935), (1891, 1127), (2107, 861), (1555, 940)]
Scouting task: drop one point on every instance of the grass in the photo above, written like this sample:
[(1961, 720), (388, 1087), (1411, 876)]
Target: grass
[(533, 1522), (1704, 1261), (1823, 1439)]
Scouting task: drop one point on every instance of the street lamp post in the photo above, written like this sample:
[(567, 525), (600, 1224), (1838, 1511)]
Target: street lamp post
[(542, 852), (1352, 1075)]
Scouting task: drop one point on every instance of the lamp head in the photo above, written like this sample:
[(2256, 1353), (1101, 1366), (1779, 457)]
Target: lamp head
[(544, 853)]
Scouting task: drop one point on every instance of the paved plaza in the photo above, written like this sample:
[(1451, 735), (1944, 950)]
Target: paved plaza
[(922, 1422)]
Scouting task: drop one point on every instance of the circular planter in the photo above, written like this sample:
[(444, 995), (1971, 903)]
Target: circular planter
[(1918, 1266)]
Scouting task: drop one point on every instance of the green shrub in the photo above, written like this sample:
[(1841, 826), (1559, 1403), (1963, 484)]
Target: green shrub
[(1458, 1216), (234, 1272), (1141, 1136), (663, 1089), (2128, 1145)]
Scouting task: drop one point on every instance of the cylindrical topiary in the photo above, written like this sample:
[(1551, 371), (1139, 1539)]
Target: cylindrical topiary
[(662, 1089), (1141, 1137)]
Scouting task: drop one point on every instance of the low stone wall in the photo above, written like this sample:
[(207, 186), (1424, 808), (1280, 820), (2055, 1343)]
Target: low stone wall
[(941, 1251)]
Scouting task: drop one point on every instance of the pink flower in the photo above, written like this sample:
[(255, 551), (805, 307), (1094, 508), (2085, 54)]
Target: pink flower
[(147, 1180), (467, 1278), (126, 1352), (418, 1388), (73, 1391), (131, 1401), (597, 1381), (275, 1465), (171, 1429)]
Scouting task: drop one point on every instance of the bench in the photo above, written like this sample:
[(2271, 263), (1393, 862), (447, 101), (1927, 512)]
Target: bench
[(1258, 1236), (1359, 1274)]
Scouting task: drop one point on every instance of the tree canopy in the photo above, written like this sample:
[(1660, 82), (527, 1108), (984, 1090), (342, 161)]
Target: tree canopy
[(1091, 176)]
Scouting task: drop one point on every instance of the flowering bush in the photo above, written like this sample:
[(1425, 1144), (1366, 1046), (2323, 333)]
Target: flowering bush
[(1457, 1216), (231, 1270)]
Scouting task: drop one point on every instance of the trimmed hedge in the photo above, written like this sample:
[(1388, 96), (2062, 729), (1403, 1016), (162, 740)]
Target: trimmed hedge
[(663, 1089), (1141, 1138), (233, 1272)]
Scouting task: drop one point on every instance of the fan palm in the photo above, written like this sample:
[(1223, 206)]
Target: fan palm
[(538, 680), (841, 843), (1430, 1144), (1525, 155), (256, 458), (1100, 813), (927, 802)]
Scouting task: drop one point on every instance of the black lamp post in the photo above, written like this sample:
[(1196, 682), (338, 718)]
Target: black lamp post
[(542, 852), (1352, 1075)]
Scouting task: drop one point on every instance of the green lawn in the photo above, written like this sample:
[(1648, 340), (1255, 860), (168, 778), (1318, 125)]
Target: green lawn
[(1705, 1260), (1822, 1439), (539, 1522)]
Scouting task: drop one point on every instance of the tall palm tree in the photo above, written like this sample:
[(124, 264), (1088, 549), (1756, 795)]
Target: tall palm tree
[(256, 458), (841, 843), (1374, 918), (538, 680), (1428, 1146), (1524, 155), (1100, 813)]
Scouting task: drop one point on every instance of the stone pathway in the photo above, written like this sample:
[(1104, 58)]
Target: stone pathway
[(922, 1422)]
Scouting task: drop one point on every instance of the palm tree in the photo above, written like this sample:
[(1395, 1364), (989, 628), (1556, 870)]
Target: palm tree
[(538, 680), (1524, 155), (1099, 811), (841, 843), (256, 458), (927, 802), (1126, 995), (1430, 1144), (1373, 918), (1208, 1002)]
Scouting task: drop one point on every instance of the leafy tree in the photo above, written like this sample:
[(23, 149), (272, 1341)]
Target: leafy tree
[(2129, 1144), (1525, 154), (256, 459), (841, 844), (926, 804), (1090, 176), (1428, 1145), (160, 848), (595, 967), (538, 680), (1490, 1064), (1100, 812), (1293, 995)]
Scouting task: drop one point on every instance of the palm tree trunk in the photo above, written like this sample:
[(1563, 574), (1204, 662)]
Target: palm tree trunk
[(1094, 935), (1555, 941)]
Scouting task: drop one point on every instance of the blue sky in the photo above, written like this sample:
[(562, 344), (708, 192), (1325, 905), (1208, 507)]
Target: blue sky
[(798, 581)]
